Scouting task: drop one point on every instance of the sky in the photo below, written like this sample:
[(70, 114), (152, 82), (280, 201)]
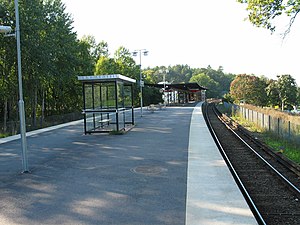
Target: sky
[(193, 32)]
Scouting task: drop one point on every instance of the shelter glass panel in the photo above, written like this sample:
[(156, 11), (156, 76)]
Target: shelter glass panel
[(97, 99), (104, 96), (127, 96), (88, 89), (111, 98), (104, 103), (120, 89)]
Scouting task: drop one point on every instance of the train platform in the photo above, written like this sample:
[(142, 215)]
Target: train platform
[(213, 197), (166, 170)]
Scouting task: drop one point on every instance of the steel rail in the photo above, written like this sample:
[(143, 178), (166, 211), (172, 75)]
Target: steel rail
[(247, 196), (260, 157)]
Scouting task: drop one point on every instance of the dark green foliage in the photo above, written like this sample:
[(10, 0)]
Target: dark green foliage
[(217, 82), (263, 92), (287, 89), (151, 96), (263, 13), (52, 57), (298, 96), (273, 93)]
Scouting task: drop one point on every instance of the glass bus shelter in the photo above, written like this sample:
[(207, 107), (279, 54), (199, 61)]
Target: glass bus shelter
[(107, 103)]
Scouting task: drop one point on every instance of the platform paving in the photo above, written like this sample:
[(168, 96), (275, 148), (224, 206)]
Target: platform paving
[(213, 197), (137, 178)]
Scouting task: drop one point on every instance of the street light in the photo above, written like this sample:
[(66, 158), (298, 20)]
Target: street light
[(21, 101), (6, 30), (145, 53), (164, 81)]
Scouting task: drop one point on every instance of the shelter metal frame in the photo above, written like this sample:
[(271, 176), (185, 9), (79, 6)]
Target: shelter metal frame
[(107, 103)]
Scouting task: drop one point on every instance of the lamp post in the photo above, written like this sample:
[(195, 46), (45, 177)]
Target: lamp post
[(21, 101), (6, 30), (164, 72), (145, 53)]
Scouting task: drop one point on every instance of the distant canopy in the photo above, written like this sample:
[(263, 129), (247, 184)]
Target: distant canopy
[(187, 87)]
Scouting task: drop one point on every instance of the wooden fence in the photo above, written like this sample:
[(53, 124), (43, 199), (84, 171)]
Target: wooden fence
[(277, 126)]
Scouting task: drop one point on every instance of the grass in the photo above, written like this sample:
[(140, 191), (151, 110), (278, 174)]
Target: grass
[(286, 147), (290, 150), (3, 135), (247, 124)]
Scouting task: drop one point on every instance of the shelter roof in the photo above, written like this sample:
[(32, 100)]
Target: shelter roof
[(105, 78)]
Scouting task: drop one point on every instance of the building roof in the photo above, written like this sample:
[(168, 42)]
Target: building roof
[(190, 87)]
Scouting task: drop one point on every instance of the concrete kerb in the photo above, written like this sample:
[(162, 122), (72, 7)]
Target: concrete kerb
[(34, 132), (39, 131)]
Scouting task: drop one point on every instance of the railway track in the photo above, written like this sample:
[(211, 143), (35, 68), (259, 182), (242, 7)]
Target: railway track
[(270, 187)]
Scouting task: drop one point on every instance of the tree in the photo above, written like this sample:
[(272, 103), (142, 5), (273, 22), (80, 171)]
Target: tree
[(151, 96), (262, 13), (273, 93), (298, 96), (86, 62), (221, 80), (150, 76), (95, 50), (204, 80), (52, 57), (122, 63), (8, 78), (287, 88), (216, 80), (106, 65), (126, 64), (179, 74), (250, 89)]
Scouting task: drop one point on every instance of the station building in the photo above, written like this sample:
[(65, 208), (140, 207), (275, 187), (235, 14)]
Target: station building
[(181, 93)]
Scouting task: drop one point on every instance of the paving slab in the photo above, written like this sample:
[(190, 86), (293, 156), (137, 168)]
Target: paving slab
[(213, 197), (136, 178), (166, 170)]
